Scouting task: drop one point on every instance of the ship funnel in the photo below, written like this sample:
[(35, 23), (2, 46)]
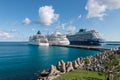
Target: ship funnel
[(82, 30), (38, 32)]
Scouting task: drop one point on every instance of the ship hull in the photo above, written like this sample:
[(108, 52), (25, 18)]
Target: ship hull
[(39, 44), (85, 43), (59, 42)]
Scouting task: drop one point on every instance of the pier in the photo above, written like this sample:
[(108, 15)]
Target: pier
[(113, 44), (84, 47)]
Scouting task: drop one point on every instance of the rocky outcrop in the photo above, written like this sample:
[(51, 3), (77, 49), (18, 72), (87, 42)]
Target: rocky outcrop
[(95, 64), (69, 67), (43, 75), (61, 66), (53, 71), (75, 65)]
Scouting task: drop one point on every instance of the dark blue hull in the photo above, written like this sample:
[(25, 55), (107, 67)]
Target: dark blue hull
[(85, 43)]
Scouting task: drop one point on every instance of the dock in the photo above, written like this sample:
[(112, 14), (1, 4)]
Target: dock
[(114, 44), (85, 47)]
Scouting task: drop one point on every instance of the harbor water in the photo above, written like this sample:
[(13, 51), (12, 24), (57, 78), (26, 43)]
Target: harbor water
[(20, 61)]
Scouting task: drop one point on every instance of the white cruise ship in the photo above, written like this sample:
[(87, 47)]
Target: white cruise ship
[(38, 39), (84, 37), (57, 39)]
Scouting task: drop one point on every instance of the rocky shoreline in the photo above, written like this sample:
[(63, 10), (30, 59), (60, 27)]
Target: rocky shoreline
[(95, 64)]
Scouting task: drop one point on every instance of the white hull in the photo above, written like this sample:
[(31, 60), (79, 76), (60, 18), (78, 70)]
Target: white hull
[(59, 42), (39, 44), (57, 39), (38, 39)]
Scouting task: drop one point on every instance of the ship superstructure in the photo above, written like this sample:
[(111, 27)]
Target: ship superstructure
[(57, 39), (38, 39)]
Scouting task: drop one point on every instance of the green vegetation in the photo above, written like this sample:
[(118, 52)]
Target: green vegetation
[(86, 61), (82, 75), (112, 67)]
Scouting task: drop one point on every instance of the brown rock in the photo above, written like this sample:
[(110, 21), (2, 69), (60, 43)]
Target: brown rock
[(53, 71), (69, 67), (78, 61), (63, 66), (75, 65), (44, 73), (59, 66)]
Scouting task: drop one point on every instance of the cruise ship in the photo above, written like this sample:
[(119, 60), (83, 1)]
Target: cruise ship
[(84, 37), (57, 39), (38, 39)]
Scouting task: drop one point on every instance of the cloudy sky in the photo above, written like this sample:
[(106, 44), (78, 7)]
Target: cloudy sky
[(21, 18)]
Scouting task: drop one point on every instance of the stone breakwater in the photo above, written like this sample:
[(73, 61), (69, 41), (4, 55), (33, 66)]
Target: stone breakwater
[(95, 64)]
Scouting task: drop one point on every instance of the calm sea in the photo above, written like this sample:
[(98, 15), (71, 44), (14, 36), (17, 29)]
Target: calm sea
[(19, 61)]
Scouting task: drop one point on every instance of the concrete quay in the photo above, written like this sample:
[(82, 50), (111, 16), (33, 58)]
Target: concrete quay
[(84, 47)]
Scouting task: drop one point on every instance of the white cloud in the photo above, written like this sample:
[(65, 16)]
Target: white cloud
[(5, 35), (33, 29), (97, 8), (60, 27), (47, 15), (26, 21), (71, 29), (13, 30)]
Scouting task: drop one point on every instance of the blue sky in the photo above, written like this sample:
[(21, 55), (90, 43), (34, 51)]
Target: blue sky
[(21, 18)]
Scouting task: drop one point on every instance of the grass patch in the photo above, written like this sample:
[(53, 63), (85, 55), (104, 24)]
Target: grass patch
[(82, 75)]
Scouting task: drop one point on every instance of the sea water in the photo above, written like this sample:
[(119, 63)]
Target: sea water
[(20, 61)]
